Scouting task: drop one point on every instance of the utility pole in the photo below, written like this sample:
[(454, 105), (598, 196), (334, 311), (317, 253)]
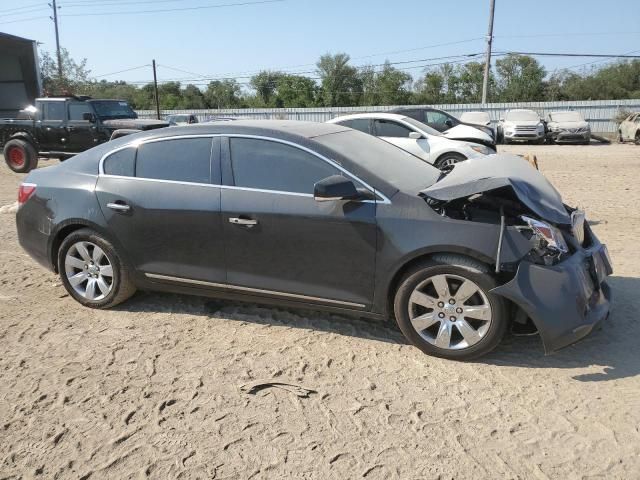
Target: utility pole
[(487, 65), (155, 89), (55, 22)]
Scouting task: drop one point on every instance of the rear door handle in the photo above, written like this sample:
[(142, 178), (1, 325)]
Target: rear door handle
[(119, 207), (243, 222)]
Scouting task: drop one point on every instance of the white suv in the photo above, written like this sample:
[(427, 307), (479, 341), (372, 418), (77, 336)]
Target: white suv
[(522, 126)]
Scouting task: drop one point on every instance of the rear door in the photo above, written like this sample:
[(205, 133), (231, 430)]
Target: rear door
[(398, 134), (82, 134), (282, 243), (52, 125), (162, 201)]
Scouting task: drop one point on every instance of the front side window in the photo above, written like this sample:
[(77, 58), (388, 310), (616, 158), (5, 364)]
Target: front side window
[(180, 160), (77, 111), (121, 163), (269, 165), (387, 128), (360, 124), (54, 111)]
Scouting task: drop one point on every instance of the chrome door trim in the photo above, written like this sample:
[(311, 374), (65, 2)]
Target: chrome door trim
[(225, 286), (135, 144)]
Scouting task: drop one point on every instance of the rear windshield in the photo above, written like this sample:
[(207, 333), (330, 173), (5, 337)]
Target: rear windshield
[(382, 160), (522, 115), (565, 117), (113, 109)]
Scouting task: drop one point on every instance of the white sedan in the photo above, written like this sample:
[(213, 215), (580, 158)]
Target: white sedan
[(415, 137)]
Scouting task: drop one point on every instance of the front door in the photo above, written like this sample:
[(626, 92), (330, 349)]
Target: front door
[(82, 134), (282, 243), (161, 203)]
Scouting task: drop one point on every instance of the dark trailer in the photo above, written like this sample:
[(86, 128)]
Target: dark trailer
[(19, 74)]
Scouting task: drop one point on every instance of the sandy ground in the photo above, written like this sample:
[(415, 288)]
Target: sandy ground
[(158, 387)]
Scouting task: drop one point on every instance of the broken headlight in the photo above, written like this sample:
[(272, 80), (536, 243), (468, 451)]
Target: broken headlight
[(547, 241)]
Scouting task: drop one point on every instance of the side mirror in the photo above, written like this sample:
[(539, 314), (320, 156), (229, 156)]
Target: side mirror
[(415, 135), (448, 122), (89, 117), (335, 187)]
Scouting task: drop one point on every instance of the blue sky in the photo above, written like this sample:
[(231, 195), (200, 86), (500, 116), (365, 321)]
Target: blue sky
[(292, 34)]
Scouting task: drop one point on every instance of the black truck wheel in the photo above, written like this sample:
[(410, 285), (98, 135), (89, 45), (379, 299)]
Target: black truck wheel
[(21, 156)]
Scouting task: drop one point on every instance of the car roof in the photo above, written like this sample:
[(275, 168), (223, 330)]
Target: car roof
[(369, 115)]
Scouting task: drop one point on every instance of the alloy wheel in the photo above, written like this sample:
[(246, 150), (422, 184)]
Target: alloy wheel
[(450, 312), (89, 270)]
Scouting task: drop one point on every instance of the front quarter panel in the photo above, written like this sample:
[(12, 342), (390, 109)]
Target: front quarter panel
[(409, 229)]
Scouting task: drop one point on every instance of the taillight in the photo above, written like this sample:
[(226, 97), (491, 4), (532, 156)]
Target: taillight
[(25, 192)]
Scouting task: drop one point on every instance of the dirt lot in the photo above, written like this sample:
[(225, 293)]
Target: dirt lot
[(153, 389)]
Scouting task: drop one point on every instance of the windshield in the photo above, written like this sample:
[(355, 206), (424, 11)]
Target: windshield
[(382, 160), (422, 126), (178, 118), (522, 115), (481, 118), (110, 109), (565, 117)]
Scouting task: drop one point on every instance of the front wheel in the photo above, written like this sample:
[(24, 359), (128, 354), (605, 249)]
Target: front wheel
[(20, 156), (92, 271), (448, 159), (445, 308)]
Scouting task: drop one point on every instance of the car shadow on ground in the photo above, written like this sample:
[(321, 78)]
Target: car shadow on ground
[(613, 346)]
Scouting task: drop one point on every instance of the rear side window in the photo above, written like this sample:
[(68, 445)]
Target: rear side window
[(121, 163), (386, 128), (54, 110), (360, 124), (275, 166), (181, 160)]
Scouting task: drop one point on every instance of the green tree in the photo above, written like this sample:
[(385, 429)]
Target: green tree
[(392, 86), (341, 84), (192, 98), (74, 74), (520, 78), (223, 94), (264, 83), (429, 89), (295, 91), (470, 79)]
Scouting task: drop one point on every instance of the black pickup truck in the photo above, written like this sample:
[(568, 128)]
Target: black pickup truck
[(63, 127)]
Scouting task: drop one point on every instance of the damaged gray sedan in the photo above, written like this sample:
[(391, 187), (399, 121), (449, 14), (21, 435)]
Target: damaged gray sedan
[(321, 216)]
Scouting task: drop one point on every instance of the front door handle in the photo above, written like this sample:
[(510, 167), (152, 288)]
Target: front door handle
[(119, 207), (243, 222)]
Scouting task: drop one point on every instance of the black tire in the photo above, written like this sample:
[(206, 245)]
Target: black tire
[(122, 286), (462, 267), (448, 159), (20, 155), (620, 139), (637, 140)]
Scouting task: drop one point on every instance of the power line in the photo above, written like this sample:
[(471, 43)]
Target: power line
[(166, 10), (31, 10), (24, 7), (23, 20), (552, 54), (123, 71)]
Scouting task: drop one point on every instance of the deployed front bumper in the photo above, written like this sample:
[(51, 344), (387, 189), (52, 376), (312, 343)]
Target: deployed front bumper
[(564, 301)]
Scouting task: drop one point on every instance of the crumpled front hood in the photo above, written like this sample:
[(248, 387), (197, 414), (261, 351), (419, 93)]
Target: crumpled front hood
[(465, 132), (497, 171), (138, 123)]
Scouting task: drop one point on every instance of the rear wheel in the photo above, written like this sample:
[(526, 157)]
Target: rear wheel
[(448, 159), (20, 156), (92, 271), (445, 308), (637, 140)]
